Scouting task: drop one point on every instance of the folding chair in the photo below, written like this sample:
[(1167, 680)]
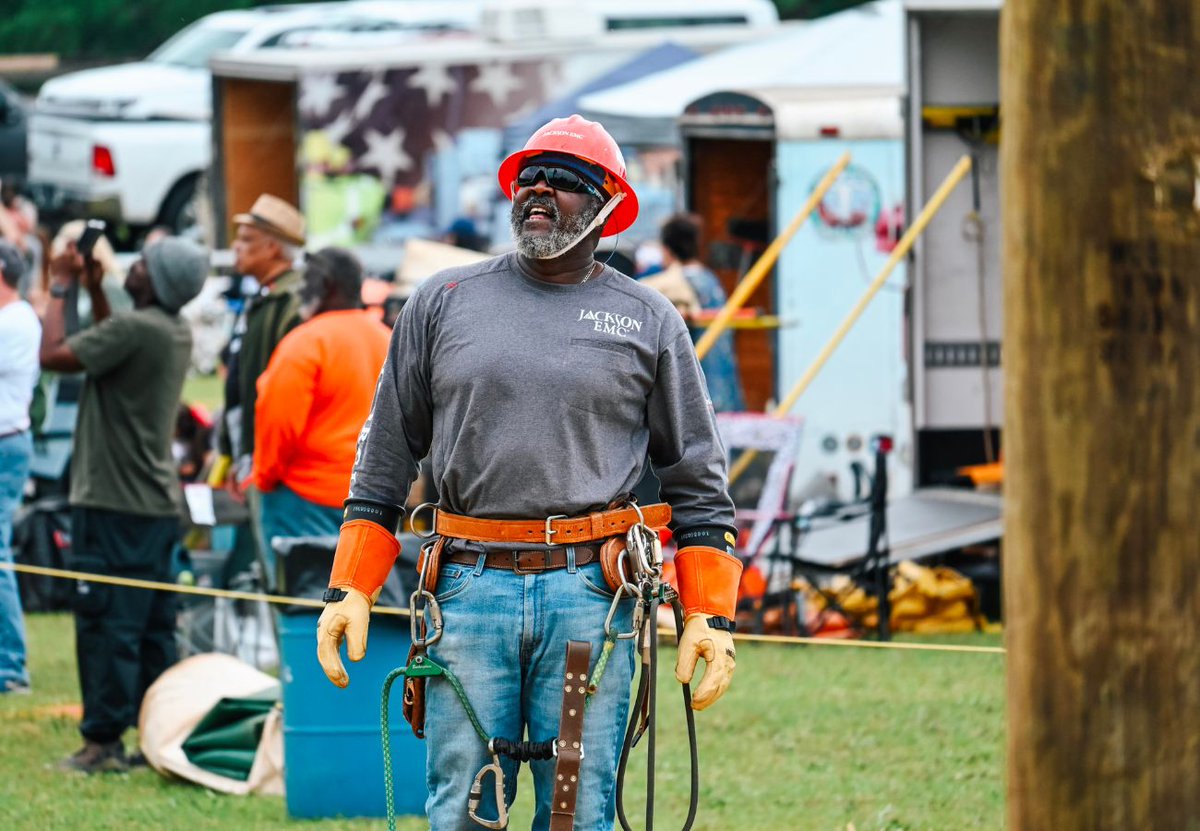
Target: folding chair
[(763, 510)]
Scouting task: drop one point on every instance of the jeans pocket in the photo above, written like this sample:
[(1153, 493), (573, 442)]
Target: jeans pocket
[(453, 580), (592, 578)]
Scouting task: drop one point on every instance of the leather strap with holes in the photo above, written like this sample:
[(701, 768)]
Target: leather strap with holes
[(569, 745), (551, 531)]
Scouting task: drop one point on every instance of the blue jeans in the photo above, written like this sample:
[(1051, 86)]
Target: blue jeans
[(15, 452), (285, 513), (505, 638)]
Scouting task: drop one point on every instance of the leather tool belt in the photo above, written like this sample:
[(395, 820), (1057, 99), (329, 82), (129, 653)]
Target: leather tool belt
[(553, 530), (527, 562), (569, 745)]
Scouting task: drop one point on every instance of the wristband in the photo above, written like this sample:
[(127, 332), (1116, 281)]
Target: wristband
[(384, 514)]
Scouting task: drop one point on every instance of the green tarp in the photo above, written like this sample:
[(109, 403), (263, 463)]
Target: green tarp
[(226, 740)]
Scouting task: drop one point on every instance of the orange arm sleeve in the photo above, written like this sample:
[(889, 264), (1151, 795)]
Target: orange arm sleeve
[(365, 554), (708, 580)]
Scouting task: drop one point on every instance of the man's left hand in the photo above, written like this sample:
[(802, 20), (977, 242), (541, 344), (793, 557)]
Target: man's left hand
[(715, 646)]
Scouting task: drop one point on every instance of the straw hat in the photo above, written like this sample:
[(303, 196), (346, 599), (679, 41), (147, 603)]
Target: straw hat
[(275, 217)]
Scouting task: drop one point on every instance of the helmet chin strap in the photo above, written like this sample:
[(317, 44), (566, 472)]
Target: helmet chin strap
[(599, 221)]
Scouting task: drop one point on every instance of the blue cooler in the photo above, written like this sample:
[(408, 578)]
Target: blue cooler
[(332, 744)]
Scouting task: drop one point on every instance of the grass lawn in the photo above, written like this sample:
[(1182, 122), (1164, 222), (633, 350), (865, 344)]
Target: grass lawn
[(204, 389), (808, 739)]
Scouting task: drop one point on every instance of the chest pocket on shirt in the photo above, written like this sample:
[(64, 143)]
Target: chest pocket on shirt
[(612, 347), (604, 370)]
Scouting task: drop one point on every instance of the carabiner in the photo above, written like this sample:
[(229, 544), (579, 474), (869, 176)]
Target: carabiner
[(501, 820), (639, 541), (612, 613), (416, 617)]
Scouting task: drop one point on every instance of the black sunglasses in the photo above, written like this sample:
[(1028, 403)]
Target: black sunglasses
[(558, 178)]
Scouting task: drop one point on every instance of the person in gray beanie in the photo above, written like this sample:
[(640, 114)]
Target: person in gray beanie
[(125, 494), (178, 269)]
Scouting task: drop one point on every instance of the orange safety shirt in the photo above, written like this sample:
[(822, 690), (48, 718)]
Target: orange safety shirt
[(312, 401)]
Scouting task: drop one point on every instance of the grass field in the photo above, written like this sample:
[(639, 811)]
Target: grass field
[(204, 389), (807, 739)]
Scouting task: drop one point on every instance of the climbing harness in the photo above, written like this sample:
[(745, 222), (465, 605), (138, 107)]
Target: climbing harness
[(639, 575)]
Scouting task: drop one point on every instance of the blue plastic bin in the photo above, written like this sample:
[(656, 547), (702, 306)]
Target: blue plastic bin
[(332, 747)]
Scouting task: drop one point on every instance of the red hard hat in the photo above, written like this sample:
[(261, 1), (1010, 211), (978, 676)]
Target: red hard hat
[(586, 140)]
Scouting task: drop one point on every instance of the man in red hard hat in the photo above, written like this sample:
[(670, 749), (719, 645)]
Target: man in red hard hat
[(538, 382)]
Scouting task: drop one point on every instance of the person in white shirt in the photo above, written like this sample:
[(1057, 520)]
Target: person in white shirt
[(20, 335)]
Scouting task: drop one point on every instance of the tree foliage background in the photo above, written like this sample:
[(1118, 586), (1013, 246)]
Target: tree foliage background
[(99, 29), (92, 30)]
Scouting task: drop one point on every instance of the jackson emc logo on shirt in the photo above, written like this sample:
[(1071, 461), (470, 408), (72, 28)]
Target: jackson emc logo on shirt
[(611, 323)]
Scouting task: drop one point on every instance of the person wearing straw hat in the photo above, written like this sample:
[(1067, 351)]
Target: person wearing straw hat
[(266, 243), (537, 382), (125, 496)]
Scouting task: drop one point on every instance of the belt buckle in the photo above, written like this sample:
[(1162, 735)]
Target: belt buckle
[(550, 532), (534, 568)]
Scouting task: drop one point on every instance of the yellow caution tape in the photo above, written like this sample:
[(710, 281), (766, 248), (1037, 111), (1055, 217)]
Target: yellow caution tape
[(131, 582), (232, 594)]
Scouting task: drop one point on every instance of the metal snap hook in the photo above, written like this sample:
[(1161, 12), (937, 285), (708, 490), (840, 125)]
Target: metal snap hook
[(476, 795)]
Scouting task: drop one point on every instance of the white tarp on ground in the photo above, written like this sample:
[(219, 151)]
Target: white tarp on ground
[(182, 696), (858, 48)]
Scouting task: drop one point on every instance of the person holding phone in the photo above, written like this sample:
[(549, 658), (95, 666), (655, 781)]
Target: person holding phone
[(125, 494)]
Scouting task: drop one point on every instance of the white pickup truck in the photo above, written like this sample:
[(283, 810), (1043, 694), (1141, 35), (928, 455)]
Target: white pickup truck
[(131, 143)]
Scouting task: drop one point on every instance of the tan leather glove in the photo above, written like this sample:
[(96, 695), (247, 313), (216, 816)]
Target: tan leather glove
[(715, 646), (346, 619), (365, 554)]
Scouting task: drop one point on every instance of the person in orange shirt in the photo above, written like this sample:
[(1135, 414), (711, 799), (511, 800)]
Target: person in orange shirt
[(312, 401)]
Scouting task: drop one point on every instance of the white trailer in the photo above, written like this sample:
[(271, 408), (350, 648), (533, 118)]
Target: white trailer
[(953, 74)]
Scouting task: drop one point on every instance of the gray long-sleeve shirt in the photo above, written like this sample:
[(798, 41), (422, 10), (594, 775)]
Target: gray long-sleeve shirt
[(535, 399)]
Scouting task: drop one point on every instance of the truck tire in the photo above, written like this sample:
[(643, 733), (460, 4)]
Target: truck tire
[(180, 211)]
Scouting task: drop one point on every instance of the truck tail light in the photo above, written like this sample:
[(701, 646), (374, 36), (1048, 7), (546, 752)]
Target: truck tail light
[(102, 161)]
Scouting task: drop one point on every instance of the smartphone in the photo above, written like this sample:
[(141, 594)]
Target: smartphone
[(91, 234)]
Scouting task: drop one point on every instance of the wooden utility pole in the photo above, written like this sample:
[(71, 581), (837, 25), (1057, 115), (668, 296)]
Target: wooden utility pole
[(1100, 161)]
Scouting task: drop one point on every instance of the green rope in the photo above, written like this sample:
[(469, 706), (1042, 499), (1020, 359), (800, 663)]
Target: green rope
[(421, 666), (601, 665), (387, 747), (462, 696)]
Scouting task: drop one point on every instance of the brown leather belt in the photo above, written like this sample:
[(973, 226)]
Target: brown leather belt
[(553, 530), (527, 562)]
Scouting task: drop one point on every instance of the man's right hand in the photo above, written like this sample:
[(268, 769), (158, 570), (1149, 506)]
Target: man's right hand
[(67, 267), (346, 619)]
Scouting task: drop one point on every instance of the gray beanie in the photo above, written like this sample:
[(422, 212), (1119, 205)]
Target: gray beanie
[(12, 263), (178, 268)]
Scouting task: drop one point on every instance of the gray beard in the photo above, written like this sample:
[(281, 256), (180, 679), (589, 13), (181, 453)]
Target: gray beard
[(566, 229)]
